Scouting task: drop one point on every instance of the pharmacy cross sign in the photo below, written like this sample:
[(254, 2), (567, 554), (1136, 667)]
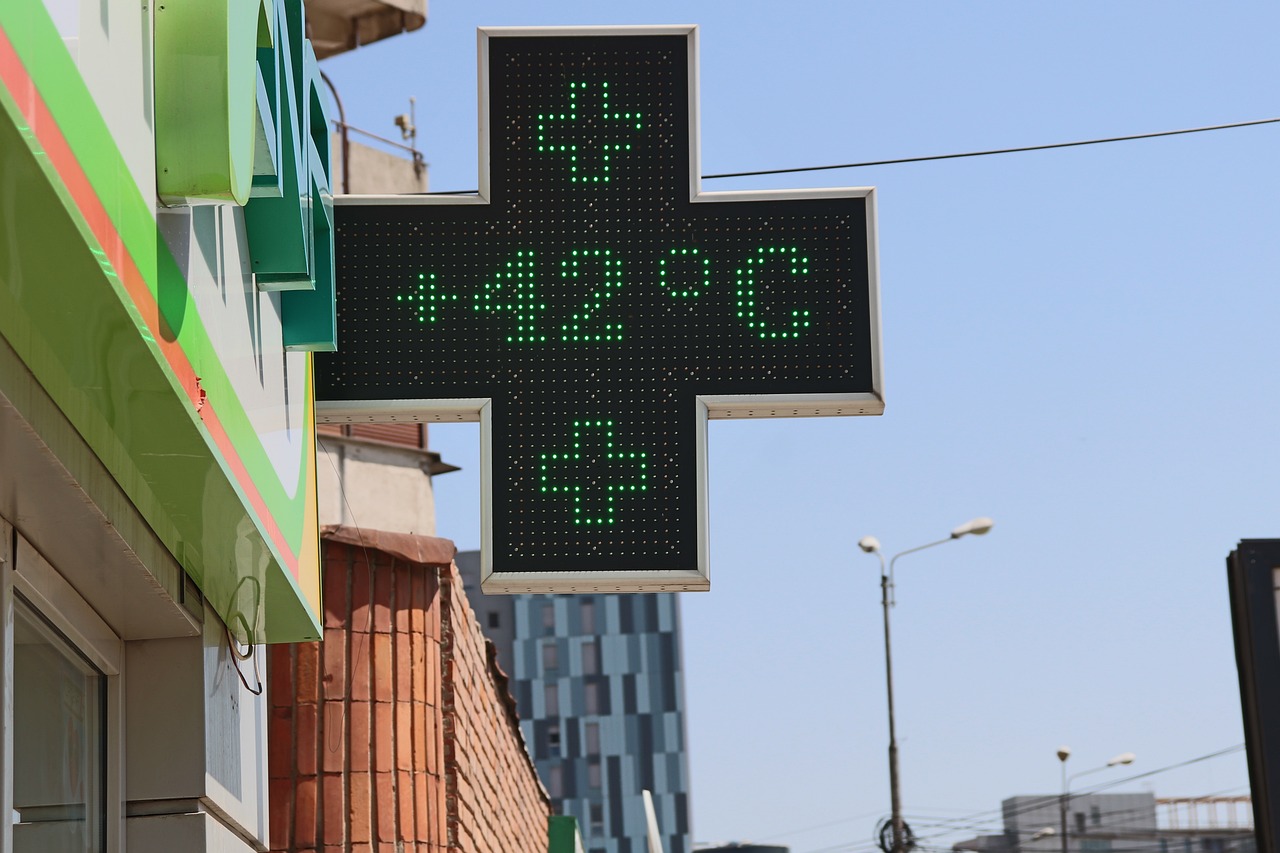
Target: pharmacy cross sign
[(591, 307)]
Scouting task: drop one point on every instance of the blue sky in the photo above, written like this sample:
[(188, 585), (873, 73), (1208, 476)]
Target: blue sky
[(1080, 343)]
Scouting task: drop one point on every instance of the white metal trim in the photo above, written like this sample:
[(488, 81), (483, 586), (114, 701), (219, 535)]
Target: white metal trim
[(739, 406), (486, 493), (695, 120), (797, 193), (462, 410), (602, 30), (873, 297), (696, 579), (358, 200), (56, 600), (641, 580)]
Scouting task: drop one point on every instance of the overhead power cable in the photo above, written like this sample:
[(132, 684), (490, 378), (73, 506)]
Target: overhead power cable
[(981, 820), (991, 151), (928, 157)]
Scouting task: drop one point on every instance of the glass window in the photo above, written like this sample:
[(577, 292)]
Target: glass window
[(553, 737), (551, 695), (593, 774), (495, 621), (555, 781), (591, 697), (550, 655), (588, 616), (593, 738), (589, 666), (548, 617), (59, 743), (597, 816)]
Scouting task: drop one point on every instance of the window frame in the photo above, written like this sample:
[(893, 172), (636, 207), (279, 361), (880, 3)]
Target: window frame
[(25, 573)]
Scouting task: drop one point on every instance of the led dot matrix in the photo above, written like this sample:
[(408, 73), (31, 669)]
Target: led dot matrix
[(593, 300)]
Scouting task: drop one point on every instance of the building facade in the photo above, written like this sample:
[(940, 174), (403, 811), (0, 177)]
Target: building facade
[(397, 732), (1112, 823), (165, 275), (599, 685)]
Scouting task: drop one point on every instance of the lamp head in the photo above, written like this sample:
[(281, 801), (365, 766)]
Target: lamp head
[(977, 526), (870, 544), (1122, 758), (1064, 752)]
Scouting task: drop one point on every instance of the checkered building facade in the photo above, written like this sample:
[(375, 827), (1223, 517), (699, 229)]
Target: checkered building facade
[(599, 684)]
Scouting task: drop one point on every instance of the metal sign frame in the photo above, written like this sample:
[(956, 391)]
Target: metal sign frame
[(730, 407)]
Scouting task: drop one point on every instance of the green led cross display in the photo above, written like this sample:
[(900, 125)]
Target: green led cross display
[(592, 307), (594, 473), (559, 133)]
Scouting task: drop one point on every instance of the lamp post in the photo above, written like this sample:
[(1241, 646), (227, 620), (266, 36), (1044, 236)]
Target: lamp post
[(871, 545), (1064, 752)]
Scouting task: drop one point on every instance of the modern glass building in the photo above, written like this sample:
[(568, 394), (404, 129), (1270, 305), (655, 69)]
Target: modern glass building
[(599, 685)]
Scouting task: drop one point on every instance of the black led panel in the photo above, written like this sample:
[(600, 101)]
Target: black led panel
[(591, 307)]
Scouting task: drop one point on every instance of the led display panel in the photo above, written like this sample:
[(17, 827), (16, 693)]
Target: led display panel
[(592, 308)]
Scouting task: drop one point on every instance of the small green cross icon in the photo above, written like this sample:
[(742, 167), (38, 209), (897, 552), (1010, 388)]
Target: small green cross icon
[(594, 496), (594, 136)]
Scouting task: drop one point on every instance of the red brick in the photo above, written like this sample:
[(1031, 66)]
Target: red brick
[(420, 743), (335, 663), (359, 809), (304, 811), (440, 819), (361, 652), (384, 788), (307, 678), (360, 590), (280, 792), (281, 669), (405, 806), (418, 601), (384, 736), (403, 599), (422, 812), (304, 722), (404, 735), (337, 601), (383, 668), (360, 734), (333, 743), (402, 647), (333, 808), (383, 577), (417, 687), (431, 671), (280, 750), (461, 780)]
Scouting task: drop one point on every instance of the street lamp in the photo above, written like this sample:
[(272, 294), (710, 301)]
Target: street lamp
[(1064, 752), (871, 545)]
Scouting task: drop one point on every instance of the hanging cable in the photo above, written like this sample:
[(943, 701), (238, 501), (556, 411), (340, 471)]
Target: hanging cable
[(995, 150), (986, 153)]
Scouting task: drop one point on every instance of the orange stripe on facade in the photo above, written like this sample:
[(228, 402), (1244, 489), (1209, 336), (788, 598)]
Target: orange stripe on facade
[(47, 133)]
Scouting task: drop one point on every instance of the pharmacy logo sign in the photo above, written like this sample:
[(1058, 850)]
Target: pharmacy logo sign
[(591, 307)]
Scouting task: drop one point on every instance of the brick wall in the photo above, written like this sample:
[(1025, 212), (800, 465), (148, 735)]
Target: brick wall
[(396, 734)]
